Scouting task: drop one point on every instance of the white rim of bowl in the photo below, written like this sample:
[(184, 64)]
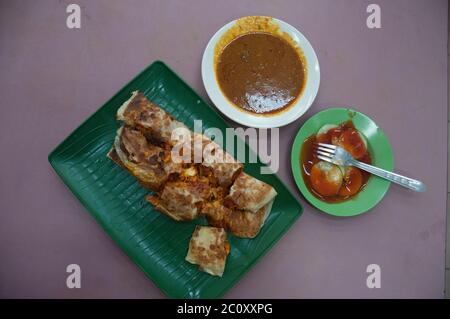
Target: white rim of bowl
[(260, 121)]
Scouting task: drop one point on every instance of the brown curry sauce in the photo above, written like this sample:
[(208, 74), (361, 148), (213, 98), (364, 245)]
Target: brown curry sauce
[(260, 69)]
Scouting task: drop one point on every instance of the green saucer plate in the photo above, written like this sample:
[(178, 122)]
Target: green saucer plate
[(379, 148)]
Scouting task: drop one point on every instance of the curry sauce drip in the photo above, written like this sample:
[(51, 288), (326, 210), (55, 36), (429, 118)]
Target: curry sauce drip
[(261, 72)]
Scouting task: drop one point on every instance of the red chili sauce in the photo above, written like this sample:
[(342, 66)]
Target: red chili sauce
[(324, 181)]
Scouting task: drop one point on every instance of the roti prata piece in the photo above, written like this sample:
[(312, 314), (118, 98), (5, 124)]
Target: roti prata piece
[(209, 249)]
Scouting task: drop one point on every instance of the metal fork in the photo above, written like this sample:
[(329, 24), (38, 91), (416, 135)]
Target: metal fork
[(338, 156)]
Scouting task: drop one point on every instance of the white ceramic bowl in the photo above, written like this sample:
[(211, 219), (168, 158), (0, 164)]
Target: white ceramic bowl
[(245, 118)]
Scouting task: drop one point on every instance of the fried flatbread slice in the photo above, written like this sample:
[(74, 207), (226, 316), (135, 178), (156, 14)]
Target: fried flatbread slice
[(156, 124), (241, 223), (223, 166), (214, 161), (250, 194), (150, 164), (209, 249), (182, 200)]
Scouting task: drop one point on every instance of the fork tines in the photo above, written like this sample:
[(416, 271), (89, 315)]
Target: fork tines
[(324, 151)]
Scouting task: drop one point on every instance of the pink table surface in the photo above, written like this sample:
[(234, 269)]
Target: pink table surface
[(52, 78)]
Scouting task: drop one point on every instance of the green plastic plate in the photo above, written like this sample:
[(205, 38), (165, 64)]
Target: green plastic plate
[(157, 244), (379, 148)]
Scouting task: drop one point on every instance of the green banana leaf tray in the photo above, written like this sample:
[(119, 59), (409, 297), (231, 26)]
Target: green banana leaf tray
[(157, 244)]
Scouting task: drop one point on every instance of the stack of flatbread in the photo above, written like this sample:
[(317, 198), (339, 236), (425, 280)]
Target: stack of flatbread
[(185, 188)]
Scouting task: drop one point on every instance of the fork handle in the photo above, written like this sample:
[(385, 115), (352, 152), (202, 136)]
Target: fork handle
[(404, 181)]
